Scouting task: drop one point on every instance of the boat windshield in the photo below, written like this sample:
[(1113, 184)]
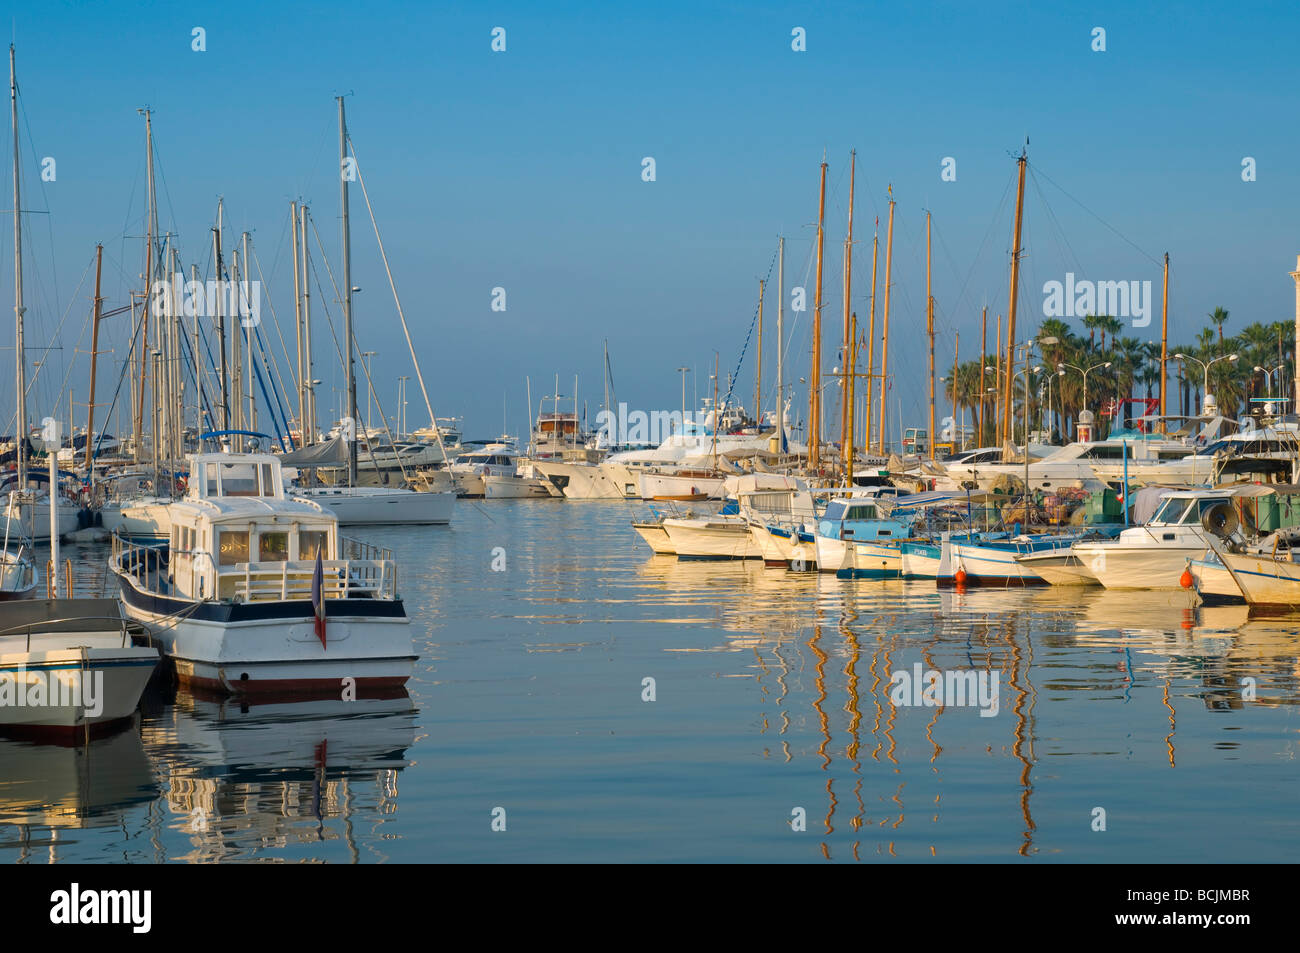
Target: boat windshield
[(1173, 510)]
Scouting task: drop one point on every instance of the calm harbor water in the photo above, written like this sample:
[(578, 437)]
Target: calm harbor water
[(772, 700)]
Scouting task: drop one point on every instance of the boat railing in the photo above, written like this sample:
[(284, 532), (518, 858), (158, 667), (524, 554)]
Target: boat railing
[(365, 572), (50, 627), (356, 549), (281, 581)]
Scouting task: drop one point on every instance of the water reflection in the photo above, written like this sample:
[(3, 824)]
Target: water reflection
[(49, 790), (243, 779)]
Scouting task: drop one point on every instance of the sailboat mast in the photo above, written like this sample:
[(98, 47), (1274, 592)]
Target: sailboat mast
[(871, 338), (221, 323), (984, 337), (758, 375), (846, 414), (20, 426), (150, 226), (780, 345), (1164, 343), (1011, 305), (884, 334), (815, 372), (245, 321), (297, 325), (309, 365), (94, 358), (347, 289), (929, 330)]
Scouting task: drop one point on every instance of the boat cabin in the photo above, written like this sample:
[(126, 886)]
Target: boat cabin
[(236, 529), (858, 519)]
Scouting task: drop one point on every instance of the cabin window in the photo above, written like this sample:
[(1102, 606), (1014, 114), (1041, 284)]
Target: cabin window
[(211, 488), (268, 488), (861, 513), (234, 547), (311, 542), (1172, 510), (238, 479), (273, 547)]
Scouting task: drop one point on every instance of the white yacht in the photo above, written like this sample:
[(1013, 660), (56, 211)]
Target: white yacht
[(469, 469), (1069, 466), (256, 593), (1202, 466)]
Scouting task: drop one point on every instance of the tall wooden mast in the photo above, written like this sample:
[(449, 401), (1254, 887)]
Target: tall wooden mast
[(984, 340), (1164, 341), (884, 334), (815, 372), (871, 338), (1011, 304)]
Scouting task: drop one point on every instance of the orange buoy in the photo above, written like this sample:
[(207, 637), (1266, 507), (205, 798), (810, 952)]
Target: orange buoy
[(959, 576), (1186, 580)]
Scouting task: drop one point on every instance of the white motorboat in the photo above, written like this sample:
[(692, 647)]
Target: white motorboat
[(655, 536), (498, 486), (469, 469), (1187, 525), (717, 537), (69, 666), (256, 593)]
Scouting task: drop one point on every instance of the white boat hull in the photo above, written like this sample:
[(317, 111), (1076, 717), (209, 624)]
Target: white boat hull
[(516, 488), (656, 537), (382, 506), (284, 656), (1120, 566), (579, 481), (1264, 581), (711, 539)]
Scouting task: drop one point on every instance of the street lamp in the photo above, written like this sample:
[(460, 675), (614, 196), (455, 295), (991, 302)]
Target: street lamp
[(1207, 400), (1060, 367), (1025, 373)]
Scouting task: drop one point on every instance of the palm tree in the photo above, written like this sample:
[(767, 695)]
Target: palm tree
[(1109, 323), (1091, 321), (1218, 316)]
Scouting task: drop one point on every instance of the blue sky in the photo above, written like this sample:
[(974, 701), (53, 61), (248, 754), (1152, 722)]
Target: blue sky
[(522, 170)]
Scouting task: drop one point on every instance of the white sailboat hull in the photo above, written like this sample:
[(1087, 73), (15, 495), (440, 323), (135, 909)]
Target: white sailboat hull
[(382, 506)]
